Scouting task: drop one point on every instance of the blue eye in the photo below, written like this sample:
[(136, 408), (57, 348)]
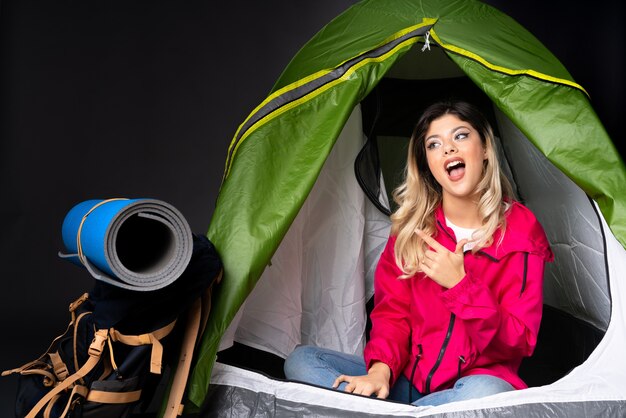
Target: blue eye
[(432, 145)]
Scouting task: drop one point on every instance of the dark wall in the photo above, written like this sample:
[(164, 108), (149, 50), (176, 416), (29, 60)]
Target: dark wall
[(135, 99), (141, 98)]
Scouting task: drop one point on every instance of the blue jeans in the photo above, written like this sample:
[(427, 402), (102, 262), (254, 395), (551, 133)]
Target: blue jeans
[(320, 366)]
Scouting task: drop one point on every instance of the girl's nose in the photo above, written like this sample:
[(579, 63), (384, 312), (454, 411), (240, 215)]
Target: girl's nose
[(449, 147)]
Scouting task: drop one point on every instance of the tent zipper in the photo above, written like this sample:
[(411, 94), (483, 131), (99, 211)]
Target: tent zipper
[(444, 346)]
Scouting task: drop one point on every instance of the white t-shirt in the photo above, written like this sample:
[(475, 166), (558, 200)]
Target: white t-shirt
[(462, 233)]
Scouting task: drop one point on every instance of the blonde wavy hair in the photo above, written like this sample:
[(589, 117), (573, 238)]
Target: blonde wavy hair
[(419, 195)]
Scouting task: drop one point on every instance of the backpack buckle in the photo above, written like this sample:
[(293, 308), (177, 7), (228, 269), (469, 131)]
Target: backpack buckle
[(97, 345), (74, 305)]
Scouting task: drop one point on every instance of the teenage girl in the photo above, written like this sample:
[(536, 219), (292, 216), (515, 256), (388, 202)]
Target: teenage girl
[(458, 288)]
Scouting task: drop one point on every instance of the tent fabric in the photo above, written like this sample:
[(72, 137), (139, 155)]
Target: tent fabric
[(323, 259), (469, 25), (135, 244), (280, 149), (301, 91), (322, 274), (575, 232), (561, 123)]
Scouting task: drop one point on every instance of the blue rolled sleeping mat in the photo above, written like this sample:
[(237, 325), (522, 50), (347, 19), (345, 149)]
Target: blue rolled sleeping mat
[(135, 244), (147, 263)]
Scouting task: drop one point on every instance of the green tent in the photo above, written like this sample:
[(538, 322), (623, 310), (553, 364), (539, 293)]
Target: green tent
[(279, 151)]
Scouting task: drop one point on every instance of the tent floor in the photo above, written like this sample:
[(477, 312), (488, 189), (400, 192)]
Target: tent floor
[(249, 358)]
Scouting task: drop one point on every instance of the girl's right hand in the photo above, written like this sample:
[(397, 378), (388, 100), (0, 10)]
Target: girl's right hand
[(442, 265), (375, 382)]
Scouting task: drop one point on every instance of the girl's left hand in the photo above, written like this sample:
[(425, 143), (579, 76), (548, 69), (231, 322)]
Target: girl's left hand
[(375, 382), (442, 265)]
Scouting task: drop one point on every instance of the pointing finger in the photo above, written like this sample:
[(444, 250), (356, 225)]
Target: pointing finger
[(430, 241)]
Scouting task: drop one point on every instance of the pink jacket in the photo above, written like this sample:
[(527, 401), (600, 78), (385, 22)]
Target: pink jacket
[(485, 324)]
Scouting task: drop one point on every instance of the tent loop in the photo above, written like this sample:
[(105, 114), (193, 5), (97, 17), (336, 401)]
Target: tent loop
[(426, 42)]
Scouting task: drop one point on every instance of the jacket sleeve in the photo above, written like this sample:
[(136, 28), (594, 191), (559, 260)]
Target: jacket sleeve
[(506, 323), (390, 333)]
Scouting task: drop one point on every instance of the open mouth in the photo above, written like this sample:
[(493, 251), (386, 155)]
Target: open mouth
[(455, 169)]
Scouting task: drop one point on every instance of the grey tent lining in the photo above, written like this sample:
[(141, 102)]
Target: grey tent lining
[(235, 401), (239, 392)]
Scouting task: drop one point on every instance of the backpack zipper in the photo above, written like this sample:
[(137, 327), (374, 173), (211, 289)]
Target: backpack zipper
[(442, 351)]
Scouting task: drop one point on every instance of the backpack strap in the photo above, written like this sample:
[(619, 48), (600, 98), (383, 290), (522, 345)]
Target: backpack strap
[(47, 412), (206, 302), (196, 322), (35, 367), (174, 402), (76, 390), (113, 397), (41, 367), (95, 351), (151, 338), (76, 321), (59, 367)]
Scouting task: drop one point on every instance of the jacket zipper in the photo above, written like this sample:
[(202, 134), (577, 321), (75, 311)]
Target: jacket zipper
[(444, 346), (417, 360), (525, 274), (461, 362)]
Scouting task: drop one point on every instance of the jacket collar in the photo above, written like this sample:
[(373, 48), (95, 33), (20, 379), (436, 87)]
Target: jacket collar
[(523, 234)]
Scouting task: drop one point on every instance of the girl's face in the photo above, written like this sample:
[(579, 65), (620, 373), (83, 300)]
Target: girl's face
[(455, 156)]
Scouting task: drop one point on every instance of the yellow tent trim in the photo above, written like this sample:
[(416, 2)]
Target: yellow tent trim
[(505, 70), (317, 92), (299, 83)]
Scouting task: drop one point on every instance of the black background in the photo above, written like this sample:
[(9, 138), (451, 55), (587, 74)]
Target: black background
[(102, 99)]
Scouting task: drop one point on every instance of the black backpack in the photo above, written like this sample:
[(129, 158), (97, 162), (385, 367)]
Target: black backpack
[(109, 361)]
